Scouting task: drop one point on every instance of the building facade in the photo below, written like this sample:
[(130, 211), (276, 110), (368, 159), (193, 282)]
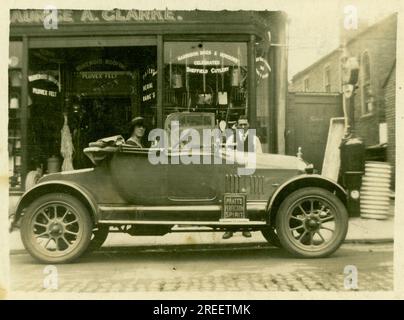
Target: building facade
[(390, 104), (375, 49), (94, 70)]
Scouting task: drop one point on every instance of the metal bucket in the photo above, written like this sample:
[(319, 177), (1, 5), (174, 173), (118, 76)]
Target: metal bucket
[(375, 191)]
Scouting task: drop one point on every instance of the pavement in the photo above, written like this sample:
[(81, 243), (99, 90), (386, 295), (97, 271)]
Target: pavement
[(204, 262), (359, 231), (206, 268)]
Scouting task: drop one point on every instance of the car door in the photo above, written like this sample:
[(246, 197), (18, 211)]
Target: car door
[(195, 182), (137, 180)]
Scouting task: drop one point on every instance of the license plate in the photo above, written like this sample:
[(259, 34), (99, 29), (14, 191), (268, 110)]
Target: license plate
[(234, 207)]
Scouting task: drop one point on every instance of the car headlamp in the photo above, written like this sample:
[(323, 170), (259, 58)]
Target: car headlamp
[(355, 194)]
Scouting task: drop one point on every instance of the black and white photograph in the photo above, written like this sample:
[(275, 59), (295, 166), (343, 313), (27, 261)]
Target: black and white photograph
[(177, 149)]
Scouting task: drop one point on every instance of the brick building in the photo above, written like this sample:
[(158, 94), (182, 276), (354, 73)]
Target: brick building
[(390, 105), (375, 49)]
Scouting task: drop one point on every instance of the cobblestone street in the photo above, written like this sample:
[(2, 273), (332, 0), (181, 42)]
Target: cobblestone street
[(210, 268)]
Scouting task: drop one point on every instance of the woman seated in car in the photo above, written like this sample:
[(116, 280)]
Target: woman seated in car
[(137, 130)]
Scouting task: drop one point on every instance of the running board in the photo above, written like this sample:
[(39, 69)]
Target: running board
[(196, 215), (190, 223)]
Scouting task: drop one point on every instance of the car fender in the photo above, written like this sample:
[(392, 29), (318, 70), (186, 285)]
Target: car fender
[(56, 186), (301, 181)]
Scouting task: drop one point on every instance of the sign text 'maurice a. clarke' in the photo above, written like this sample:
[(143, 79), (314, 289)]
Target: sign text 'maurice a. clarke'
[(94, 16)]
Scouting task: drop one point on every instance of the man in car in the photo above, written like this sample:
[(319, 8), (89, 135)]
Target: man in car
[(242, 141), (137, 131), (242, 145)]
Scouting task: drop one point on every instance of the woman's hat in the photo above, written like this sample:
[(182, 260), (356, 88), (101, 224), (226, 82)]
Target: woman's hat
[(137, 121)]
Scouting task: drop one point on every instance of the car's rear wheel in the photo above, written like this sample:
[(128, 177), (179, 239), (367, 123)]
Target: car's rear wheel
[(98, 238), (311, 223), (56, 228), (271, 236)]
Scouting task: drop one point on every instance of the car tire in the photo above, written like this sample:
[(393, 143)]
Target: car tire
[(271, 236), (311, 223), (98, 238), (56, 228)]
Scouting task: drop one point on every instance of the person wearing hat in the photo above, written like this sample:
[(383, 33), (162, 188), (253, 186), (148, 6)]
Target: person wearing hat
[(242, 141), (242, 146), (137, 131)]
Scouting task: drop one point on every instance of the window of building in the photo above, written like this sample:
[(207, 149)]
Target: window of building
[(367, 95), (327, 80), (206, 76), (306, 83), (14, 110), (94, 90)]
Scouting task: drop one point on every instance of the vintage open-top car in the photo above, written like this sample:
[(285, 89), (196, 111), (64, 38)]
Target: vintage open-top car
[(69, 213)]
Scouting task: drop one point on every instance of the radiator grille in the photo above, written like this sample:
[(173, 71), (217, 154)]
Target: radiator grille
[(251, 184)]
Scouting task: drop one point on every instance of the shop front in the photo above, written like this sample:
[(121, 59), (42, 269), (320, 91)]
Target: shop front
[(89, 72)]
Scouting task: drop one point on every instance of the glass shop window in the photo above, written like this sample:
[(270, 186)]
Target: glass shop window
[(14, 113), (45, 117), (206, 77)]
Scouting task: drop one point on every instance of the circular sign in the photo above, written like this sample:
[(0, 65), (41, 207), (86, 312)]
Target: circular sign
[(262, 67)]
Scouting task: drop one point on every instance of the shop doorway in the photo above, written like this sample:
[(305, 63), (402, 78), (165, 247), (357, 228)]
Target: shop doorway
[(98, 91), (95, 118)]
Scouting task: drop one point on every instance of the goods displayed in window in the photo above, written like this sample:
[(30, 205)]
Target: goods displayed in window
[(206, 76)]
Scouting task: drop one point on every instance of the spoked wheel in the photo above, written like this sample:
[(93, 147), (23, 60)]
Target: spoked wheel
[(98, 238), (271, 236), (56, 228), (312, 223)]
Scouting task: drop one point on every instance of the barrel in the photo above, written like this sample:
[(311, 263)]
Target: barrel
[(375, 191)]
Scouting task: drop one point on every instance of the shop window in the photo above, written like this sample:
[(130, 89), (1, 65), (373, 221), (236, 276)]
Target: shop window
[(367, 94), (94, 91), (14, 111), (306, 84), (327, 80), (206, 77), (44, 109)]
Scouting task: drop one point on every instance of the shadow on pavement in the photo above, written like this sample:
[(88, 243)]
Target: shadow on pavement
[(187, 252)]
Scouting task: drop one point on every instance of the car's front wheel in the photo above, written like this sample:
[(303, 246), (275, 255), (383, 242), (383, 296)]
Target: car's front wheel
[(271, 236), (311, 223), (56, 228)]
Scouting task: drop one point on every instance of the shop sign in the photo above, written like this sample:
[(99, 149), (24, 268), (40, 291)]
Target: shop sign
[(43, 92), (214, 65), (206, 71), (149, 85), (41, 80), (101, 74), (43, 76), (106, 62), (262, 67), (209, 53), (103, 82), (93, 16)]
